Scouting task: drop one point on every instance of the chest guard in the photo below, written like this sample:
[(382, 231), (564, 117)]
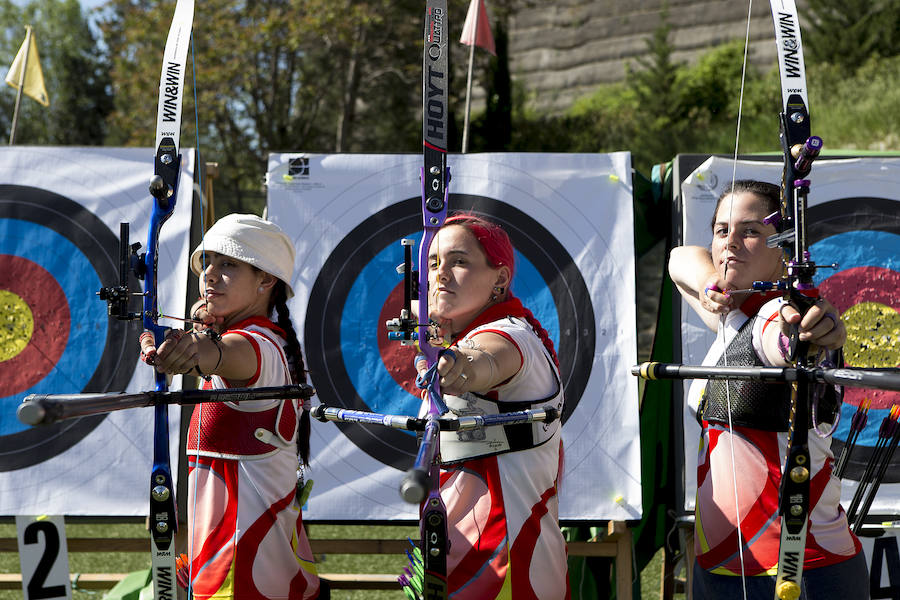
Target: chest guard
[(457, 446), (248, 430), (227, 432), (754, 403)]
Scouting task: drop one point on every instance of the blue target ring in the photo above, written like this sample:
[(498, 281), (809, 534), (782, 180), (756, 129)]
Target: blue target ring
[(858, 249)]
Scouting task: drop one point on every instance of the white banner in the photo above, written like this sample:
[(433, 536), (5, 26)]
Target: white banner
[(60, 210), (570, 219), (854, 222)]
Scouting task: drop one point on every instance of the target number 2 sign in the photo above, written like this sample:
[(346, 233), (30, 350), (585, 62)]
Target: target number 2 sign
[(43, 557)]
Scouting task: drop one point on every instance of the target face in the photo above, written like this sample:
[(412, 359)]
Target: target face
[(862, 235), (55, 335), (352, 363)]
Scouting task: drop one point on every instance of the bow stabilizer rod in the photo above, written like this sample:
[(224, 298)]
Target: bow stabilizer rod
[(45, 409), (882, 379)]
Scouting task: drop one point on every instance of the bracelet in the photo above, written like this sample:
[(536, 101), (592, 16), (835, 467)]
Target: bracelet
[(215, 338), (492, 362)]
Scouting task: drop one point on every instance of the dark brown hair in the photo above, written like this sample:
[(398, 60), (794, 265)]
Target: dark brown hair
[(770, 194), (278, 301)]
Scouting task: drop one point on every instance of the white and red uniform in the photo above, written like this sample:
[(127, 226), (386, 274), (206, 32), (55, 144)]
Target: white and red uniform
[(501, 484), (759, 456), (245, 526)]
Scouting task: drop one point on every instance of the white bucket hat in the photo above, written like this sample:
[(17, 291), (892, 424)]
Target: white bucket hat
[(253, 240)]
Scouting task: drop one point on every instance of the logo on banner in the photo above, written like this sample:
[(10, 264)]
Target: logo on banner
[(56, 336), (299, 167), (353, 365), (862, 235)]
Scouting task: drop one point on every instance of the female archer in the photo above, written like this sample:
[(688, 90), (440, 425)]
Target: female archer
[(500, 485), (247, 538), (737, 528)]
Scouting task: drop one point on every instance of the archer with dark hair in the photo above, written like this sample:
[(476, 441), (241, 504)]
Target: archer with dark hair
[(247, 538), (745, 423)]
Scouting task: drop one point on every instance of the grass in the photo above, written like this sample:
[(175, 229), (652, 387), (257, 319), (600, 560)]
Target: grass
[(101, 562)]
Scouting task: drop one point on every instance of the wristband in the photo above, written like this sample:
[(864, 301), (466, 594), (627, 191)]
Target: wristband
[(148, 357)]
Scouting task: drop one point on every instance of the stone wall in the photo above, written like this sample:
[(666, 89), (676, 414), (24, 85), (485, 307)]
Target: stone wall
[(561, 50)]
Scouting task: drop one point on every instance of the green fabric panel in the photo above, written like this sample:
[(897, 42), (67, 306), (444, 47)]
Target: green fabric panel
[(656, 422), (136, 586)]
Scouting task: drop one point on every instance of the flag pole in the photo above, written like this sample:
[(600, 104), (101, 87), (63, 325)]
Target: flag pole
[(465, 140), (15, 119)]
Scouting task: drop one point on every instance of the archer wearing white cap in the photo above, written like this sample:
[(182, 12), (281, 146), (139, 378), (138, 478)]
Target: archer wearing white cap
[(245, 525)]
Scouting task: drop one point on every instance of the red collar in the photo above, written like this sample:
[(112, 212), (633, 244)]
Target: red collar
[(754, 302), (260, 322), (511, 307)]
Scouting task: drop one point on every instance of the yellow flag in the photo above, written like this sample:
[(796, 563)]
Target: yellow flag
[(34, 79)]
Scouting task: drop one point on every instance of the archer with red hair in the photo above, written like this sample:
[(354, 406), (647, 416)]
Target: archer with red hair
[(499, 484)]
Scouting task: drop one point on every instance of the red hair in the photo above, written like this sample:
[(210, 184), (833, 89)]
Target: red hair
[(499, 252), (493, 239)]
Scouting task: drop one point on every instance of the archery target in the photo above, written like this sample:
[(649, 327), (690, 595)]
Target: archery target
[(862, 235), (352, 363), (54, 256)]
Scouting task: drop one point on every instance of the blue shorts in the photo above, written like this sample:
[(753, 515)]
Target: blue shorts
[(848, 580)]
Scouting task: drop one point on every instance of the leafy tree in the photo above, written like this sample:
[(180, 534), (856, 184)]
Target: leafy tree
[(857, 112), (276, 75), (492, 129), (76, 75), (847, 33), (657, 94), (498, 112)]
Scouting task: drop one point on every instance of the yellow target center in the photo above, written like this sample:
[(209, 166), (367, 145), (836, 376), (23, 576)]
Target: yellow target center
[(873, 335), (16, 325)]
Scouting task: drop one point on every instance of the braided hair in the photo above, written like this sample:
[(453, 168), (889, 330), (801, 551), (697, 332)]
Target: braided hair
[(292, 351), (498, 249)]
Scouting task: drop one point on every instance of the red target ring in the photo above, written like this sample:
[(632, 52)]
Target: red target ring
[(397, 358), (43, 296), (869, 306)]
